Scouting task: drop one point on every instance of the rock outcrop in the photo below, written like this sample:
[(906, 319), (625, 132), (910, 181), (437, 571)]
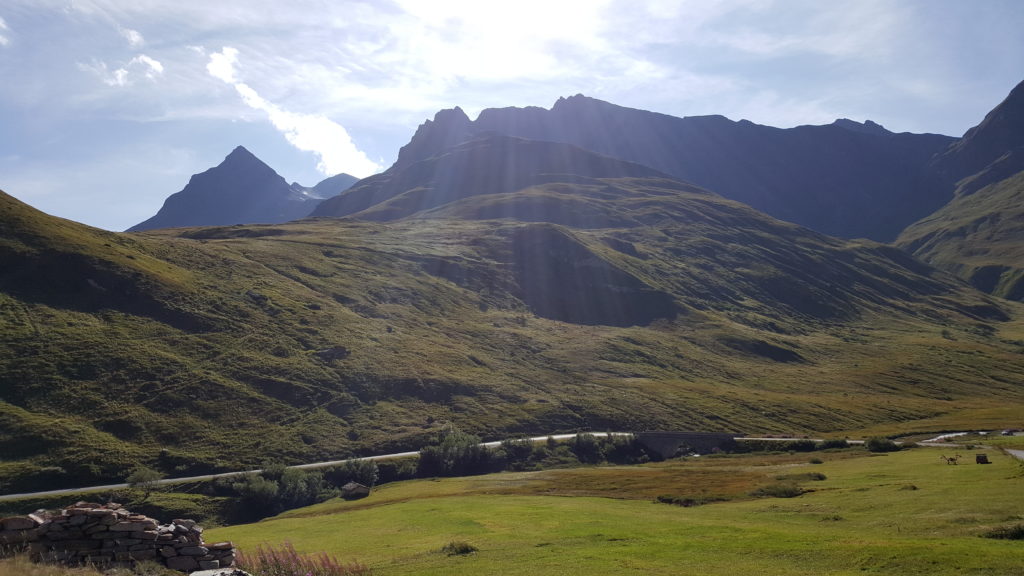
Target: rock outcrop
[(107, 534)]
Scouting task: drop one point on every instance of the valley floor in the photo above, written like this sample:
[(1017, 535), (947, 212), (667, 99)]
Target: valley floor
[(900, 513)]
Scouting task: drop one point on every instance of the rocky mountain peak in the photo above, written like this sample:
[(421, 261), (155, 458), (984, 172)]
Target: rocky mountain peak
[(242, 189), (448, 128), (995, 146), (866, 127)]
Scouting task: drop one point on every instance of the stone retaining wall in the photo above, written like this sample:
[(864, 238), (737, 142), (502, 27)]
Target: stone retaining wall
[(104, 534)]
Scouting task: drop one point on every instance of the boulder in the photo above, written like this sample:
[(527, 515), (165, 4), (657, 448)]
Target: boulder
[(182, 563), (19, 523)]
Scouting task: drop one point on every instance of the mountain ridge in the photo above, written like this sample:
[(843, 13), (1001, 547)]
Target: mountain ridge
[(877, 181), (489, 164)]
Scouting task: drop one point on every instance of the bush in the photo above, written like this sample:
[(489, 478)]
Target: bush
[(458, 548), (834, 443), (1015, 532), (625, 450), (145, 480), (587, 449), (800, 446), (285, 561), (395, 470), (257, 494), (457, 454), (780, 490), (686, 501), (518, 451), (273, 470), (299, 488), (803, 477), (881, 444), (362, 471)]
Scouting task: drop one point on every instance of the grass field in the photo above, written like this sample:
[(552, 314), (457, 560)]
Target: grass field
[(902, 513)]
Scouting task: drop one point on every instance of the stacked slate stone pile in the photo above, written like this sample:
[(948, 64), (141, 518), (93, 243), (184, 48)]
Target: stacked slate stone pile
[(86, 533)]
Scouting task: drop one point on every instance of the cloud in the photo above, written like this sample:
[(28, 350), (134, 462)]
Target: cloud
[(307, 132), (4, 40), (222, 64), (121, 77), (152, 68), (134, 38)]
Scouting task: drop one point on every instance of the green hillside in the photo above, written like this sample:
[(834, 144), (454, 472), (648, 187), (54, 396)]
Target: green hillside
[(650, 305), (977, 237)]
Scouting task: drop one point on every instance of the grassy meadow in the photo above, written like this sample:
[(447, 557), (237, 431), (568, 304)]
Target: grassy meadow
[(900, 513)]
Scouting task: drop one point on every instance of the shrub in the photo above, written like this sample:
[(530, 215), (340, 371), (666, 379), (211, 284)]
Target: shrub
[(518, 451), (803, 477), (686, 501), (816, 460), (625, 450), (458, 548), (801, 446), (285, 561), (1015, 532), (362, 471), (881, 444), (146, 480), (834, 443), (395, 470), (257, 493), (780, 490), (273, 470), (299, 488), (587, 449), (457, 454)]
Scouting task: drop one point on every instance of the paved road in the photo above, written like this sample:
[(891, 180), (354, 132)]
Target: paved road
[(1019, 454), (311, 466)]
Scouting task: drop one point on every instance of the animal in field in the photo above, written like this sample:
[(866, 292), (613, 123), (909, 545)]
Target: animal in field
[(952, 460)]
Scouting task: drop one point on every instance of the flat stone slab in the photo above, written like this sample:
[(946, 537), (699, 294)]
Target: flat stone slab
[(221, 572)]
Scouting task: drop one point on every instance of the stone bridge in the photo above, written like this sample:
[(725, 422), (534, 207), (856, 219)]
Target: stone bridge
[(669, 444)]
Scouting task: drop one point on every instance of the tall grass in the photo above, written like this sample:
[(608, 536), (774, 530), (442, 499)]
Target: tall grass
[(21, 566), (286, 561)]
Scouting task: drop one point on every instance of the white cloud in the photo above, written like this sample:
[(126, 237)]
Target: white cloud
[(222, 64), (152, 69), (121, 77), (307, 132), (4, 40), (134, 38)]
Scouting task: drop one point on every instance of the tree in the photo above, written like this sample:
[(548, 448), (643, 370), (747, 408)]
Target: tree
[(881, 444), (457, 454), (145, 480), (587, 449), (257, 494)]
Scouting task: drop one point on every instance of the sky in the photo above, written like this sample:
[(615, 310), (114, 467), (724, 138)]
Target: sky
[(109, 106)]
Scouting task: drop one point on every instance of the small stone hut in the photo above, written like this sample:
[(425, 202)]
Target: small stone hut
[(354, 490)]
